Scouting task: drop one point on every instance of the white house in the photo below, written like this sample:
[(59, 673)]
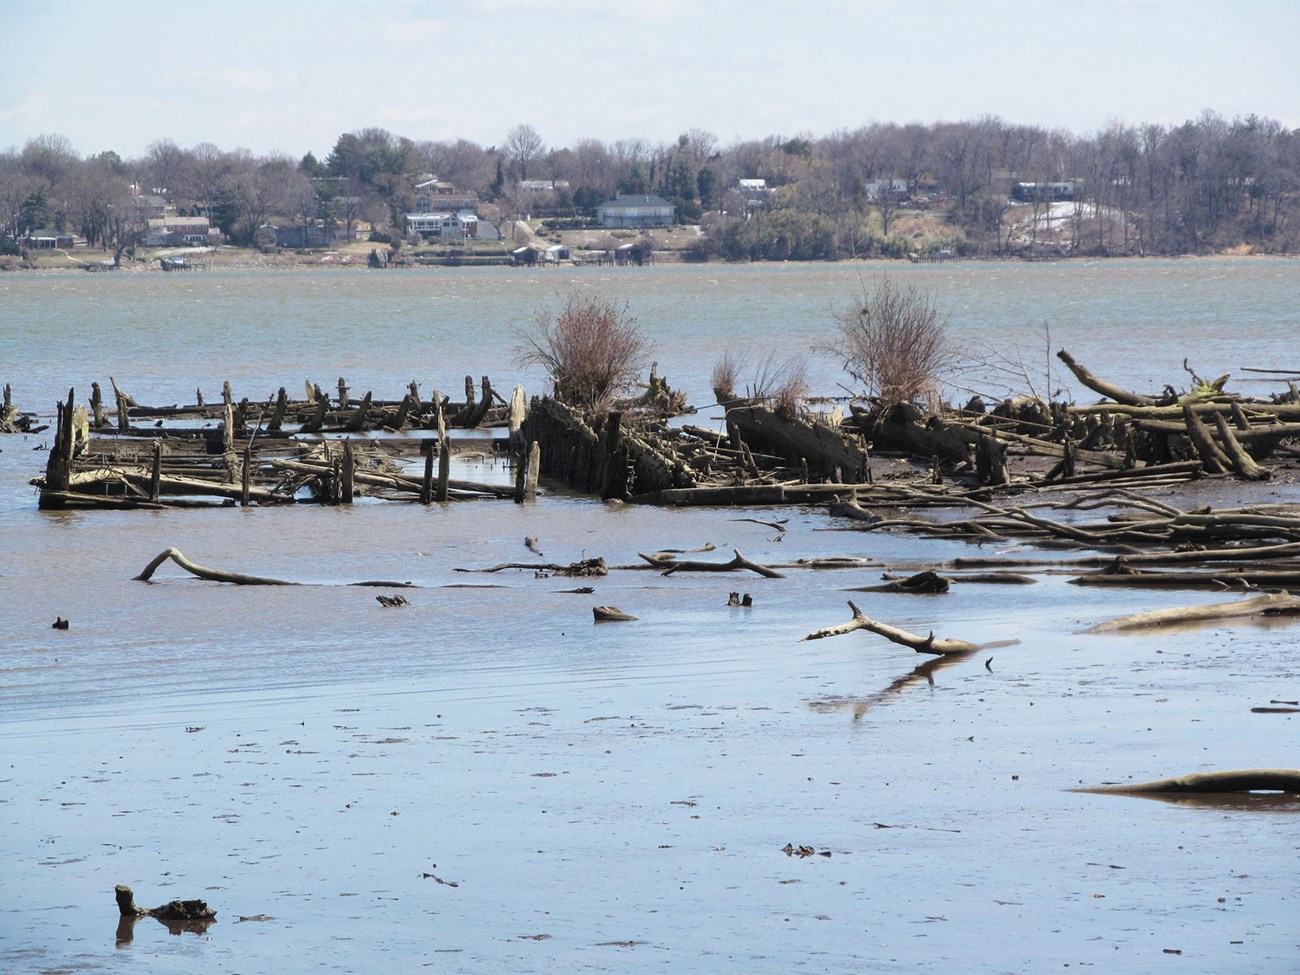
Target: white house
[(637, 210)]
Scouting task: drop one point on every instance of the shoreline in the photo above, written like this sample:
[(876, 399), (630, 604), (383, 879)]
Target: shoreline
[(351, 259)]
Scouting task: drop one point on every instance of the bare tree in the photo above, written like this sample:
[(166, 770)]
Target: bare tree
[(162, 164), (522, 147)]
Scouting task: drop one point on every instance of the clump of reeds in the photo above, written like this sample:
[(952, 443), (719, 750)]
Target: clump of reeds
[(894, 342), (781, 384), (592, 350)]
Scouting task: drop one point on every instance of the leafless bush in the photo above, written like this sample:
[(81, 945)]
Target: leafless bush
[(894, 342), (592, 351)]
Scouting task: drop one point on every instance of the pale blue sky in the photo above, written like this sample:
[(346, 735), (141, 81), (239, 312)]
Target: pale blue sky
[(292, 75)]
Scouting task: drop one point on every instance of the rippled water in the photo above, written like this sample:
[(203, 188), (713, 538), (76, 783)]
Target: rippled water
[(623, 789)]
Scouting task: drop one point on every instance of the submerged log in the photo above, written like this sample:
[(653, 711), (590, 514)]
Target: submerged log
[(926, 583), (1241, 780), (178, 910)]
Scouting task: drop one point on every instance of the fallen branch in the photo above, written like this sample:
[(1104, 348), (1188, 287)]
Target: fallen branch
[(669, 565), (928, 644), (1117, 393), (584, 569)]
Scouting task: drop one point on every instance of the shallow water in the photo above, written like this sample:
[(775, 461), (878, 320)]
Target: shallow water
[(608, 797)]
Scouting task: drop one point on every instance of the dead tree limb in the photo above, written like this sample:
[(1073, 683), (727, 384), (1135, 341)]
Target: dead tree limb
[(669, 565), (928, 644), (212, 575), (239, 578), (1117, 393)]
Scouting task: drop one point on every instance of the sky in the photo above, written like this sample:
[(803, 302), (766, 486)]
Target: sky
[(291, 76)]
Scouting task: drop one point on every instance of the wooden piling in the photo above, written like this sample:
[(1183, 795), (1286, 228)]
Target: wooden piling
[(349, 470), (245, 476), (444, 449), (155, 473), (534, 466), (426, 486)]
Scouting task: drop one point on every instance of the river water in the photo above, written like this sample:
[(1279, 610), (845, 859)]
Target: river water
[(486, 781)]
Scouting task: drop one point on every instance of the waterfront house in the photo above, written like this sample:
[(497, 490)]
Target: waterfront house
[(636, 210)]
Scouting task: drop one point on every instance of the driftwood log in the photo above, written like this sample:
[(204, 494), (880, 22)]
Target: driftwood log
[(1242, 780), (1271, 604)]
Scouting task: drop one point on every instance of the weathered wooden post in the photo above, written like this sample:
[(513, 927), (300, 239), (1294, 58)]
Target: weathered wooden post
[(534, 465), (123, 407), (521, 474), (518, 407), (343, 394), (155, 473), (277, 415), (58, 468), (97, 407), (246, 475), (348, 489), (426, 486), (613, 482), (444, 449)]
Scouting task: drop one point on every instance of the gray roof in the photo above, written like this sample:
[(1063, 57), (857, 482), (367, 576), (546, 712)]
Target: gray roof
[(637, 200)]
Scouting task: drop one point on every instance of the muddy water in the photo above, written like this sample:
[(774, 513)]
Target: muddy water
[(487, 781)]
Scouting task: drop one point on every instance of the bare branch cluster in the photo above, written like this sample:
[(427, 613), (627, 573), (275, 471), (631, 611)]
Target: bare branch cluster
[(894, 342), (592, 351)]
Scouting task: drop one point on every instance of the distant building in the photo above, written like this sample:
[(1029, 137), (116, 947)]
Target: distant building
[(1046, 192), (46, 239), (297, 235), (148, 206), (543, 185), (432, 194), (180, 231), (637, 210), (878, 188), (755, 192), (442, 225)]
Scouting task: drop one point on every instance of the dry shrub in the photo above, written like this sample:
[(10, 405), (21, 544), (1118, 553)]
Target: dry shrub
[(592, 351), (894, 342)]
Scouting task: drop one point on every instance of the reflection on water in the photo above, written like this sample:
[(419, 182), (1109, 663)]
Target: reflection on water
[(125, 933), (859, 706)]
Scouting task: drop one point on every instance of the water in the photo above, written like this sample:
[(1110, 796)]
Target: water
[(622, 789)]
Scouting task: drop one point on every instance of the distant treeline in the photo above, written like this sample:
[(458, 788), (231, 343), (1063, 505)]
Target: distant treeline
[(1207, 185)]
